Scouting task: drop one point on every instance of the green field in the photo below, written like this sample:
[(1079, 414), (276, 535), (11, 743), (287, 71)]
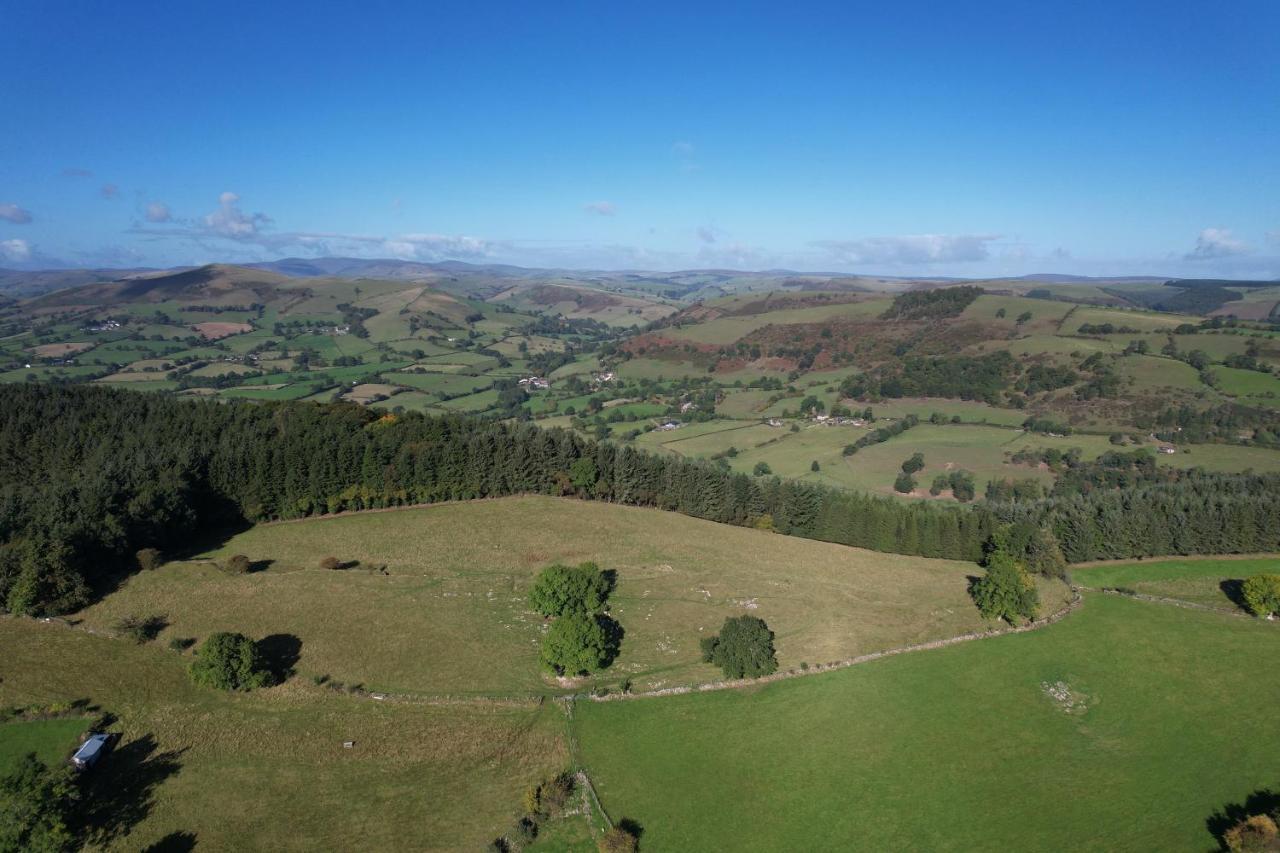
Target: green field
[(962, 748), (450, 602), (51, 740), (1209, 582), (267, 770)]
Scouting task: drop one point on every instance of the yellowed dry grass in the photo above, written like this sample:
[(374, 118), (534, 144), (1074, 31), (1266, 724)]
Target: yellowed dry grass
[(450, 616)]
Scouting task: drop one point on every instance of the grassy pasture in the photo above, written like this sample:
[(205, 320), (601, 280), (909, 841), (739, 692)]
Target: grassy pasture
[(1210, 582), (653, 368), (700, 446), (267, 770), (1143, 321), (1247, 383), (970, 412), (1045, 315), (1150, 374), (977, 449), (962, 748), (450, 617), (726, 330), (52, 741)]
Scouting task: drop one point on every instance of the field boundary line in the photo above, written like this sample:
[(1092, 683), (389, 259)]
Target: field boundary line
[(1077, 600), (1161, 558)]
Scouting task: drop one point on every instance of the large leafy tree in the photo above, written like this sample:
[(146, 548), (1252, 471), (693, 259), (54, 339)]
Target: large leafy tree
[(230, 661), (577, 643), (561, 589), (35, 802), (742, 649), (1006, 591)]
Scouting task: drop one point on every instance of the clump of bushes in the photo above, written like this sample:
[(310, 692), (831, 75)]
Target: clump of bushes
[(1262, 594), (1255, 834), (618, 840), (905, 483), (230, 661), (141, 629), (237, 564), (742, 649), (149, 559)]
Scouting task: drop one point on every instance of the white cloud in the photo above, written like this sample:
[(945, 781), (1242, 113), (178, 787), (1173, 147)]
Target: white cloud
[(435, 247), (13, 213), (601, 208), (231, 222), (110, 191), (911, 249), (706, 234), (158, 211), (1216, 243), (15, 250)]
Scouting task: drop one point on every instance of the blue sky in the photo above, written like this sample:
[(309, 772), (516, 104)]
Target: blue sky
[(950, 139)]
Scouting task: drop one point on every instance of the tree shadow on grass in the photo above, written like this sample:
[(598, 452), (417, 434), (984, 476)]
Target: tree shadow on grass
[(256, 566), (613, 634), (280, 653), (1262, 801), (119, 792), (632, 827), (175, 842), (1233, 589)]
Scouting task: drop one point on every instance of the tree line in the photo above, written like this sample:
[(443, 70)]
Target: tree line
[(90, 475)]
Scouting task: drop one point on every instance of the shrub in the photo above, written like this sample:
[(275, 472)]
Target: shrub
[(149, 559), (617, 840), (556, 791), (229, 661), (526, 829), (578, 643), (743, 649), (330, 563), (1255, 834), (561, 589), (141, 629), (913, 463), (814, 466), (1006, 591), (762, 469), (181, 644), (236, 565), (1262, 594), (905, 483)]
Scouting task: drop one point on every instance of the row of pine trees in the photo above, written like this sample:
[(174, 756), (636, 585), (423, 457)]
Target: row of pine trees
[(90, 475)]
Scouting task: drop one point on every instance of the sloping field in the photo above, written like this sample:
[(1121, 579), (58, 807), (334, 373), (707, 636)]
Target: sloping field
[(267, 770), (1160, 720), (449, 616), (1207, 582)]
